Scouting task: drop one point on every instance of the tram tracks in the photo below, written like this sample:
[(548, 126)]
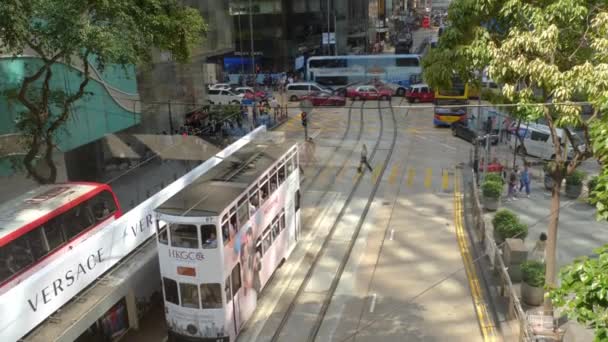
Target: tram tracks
[(327, 297)]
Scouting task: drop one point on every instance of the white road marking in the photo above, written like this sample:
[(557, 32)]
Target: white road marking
[(392, 233), (373, 306), (436, 142)]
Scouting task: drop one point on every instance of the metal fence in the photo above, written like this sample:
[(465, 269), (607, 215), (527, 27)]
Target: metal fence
[(494, 253)]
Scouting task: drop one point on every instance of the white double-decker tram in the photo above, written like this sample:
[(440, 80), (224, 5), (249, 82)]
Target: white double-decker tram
[(221, 238)]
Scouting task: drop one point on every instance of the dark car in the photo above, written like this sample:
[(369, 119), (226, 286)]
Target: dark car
[(462, 130)]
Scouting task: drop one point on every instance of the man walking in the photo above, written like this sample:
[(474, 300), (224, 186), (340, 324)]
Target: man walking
[(364, 161), (274, 104)]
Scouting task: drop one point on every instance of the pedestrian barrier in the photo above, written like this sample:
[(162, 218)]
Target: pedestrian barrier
[(494, 253)]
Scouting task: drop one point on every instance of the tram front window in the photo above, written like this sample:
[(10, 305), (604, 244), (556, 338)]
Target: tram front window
[(189, 294), (183, 235), (171, 295), (208, 236), (211, 296)]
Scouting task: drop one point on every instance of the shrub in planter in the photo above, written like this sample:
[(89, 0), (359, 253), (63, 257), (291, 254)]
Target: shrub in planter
[(574, 184), (503, 217), (491, 192), (494, 177), (533, 276), (512, 230)]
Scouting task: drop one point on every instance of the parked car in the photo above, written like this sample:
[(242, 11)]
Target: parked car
[(396, 89), (419, 93), (368, 93), (250, 93), (224, 97), (320, 98), (219, 86), (296, 90), (462, 130)]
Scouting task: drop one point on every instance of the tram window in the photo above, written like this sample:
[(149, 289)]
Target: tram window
[(264, 191), (226, 232), (189, 296), (171, 294), (77, 219), (282, 222), (233, 225), (16, 256), (36, 243), (102, 205), (208, 236), (254, 201), (54, 234), (236, 279), (211, 296), (163, 234), (281, 174), (275, 230), (273, 182), (258, 246), (297, 200), (289, 165), (243, 212), (183, 235), (267, 240), (227, 290)]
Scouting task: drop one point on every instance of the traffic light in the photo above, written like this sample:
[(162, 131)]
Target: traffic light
[(304, 119)]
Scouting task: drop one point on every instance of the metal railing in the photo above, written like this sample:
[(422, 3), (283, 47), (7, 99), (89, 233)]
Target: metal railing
[(515, 310)]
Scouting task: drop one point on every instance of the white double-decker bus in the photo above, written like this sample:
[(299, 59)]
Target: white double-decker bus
[(221, 238)]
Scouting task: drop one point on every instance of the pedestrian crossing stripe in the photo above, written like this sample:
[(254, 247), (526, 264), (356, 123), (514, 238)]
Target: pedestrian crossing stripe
[(428, 178), (392, 178), (411, 173), (445, 181)]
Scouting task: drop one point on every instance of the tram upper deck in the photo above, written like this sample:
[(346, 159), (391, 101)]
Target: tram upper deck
[(222, 185)]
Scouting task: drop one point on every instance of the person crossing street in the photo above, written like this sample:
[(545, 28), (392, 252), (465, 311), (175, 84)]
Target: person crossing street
[(364, 161)]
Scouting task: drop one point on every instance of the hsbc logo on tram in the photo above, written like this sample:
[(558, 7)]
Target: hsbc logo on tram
[(186, 255)]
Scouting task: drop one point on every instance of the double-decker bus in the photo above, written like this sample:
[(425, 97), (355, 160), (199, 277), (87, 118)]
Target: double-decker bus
[(339, 71), (221, 238), (42, 224)]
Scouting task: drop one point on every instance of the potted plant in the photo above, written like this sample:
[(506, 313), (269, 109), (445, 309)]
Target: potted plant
[(491, 192), (506, 225), (591, 185), (548, 179), (533, 276), (494, 177), (574, 184)]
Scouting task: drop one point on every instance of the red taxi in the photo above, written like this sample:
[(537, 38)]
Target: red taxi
[(321, 98), (367, 92), (419, 93)]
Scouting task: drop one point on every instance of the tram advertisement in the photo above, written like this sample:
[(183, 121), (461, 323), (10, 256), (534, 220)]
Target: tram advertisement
[(207, 324)]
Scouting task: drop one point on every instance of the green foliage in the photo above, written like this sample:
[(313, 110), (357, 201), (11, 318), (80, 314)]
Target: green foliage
[(591, 185), (84, 34), (504, 217), (576, 178), (583, 292), (491, 189), (533, 273), (507, 225), (494, 177)]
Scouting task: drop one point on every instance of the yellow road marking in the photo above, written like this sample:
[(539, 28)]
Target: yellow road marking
[(392, 178), (411, 173), (428, 178), (376, 173), (485, 323), (445, 182)]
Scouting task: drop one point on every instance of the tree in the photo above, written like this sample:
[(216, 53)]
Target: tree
[(545, 53), (583, 292), (100, 33)]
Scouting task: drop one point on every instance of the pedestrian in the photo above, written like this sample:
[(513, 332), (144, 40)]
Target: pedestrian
[(274, 104), (364, 161), (538, 252), (512, 185), (524, 180)]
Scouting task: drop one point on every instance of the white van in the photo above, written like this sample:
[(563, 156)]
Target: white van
[(538, 142), (296, 90), (220, 96)]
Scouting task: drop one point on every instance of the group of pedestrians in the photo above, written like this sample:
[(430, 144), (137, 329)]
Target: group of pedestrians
[(521, 178)]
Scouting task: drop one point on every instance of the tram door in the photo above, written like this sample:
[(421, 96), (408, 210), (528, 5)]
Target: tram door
[(235, 278)]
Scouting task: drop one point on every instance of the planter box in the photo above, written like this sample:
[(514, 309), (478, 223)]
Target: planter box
[(532, 295), (573, 191), (491, 204)]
